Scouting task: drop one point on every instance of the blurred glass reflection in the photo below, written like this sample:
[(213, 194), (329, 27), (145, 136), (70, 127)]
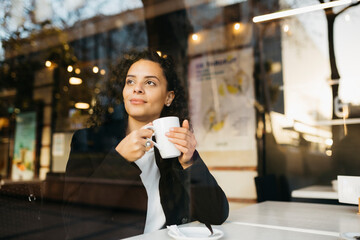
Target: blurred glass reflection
[(271, 98)]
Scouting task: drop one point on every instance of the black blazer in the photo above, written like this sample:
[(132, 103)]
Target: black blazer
[(97, 175)]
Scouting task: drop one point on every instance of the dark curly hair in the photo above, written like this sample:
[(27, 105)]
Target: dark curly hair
[(109, 105)]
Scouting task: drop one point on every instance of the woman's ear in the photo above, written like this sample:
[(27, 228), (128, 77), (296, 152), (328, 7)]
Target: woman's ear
[(169, 98)]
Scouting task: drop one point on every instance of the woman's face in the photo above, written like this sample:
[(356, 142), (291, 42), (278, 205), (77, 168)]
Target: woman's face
[(145, 92)]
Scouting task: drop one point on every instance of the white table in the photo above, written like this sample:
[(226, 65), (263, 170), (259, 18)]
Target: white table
[(315, 192), (282, 220)]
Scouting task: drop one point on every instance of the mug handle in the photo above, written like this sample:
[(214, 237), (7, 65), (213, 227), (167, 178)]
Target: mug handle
[(152, 128)]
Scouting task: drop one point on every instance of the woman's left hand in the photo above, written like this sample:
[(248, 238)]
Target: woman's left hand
[(185, 141)]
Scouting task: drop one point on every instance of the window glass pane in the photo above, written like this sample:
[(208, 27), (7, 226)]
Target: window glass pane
[(269, 100)]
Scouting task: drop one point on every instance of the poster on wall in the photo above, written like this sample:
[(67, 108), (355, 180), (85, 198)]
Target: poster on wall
[(24, 148), (221, 97)]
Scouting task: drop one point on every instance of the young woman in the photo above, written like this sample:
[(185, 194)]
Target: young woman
[(148, 192)]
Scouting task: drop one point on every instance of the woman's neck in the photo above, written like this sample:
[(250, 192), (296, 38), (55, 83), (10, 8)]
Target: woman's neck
[(134, 124)]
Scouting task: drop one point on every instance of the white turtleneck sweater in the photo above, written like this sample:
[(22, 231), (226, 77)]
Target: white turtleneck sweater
[(150, 175)]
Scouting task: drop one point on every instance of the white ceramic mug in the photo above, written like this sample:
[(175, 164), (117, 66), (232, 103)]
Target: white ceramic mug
[(160, 127)]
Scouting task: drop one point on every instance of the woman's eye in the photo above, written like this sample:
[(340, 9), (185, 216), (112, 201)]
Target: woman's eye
[(151, 83), (129, 81)]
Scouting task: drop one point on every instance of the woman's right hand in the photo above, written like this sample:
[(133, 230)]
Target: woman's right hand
[(132, 147)]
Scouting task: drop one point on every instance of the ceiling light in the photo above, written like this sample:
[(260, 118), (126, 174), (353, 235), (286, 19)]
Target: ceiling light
[(70, 68), (292, 12), (328, 152), (75, 81), (329, 142), (237, 26), (286, 28), (82, 105)]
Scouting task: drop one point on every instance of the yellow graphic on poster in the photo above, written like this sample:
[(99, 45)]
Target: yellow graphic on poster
[(24, 149), (221, 100)]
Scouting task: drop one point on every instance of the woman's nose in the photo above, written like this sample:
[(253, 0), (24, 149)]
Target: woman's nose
[(138, 88)]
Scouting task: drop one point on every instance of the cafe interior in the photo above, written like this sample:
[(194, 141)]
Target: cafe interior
[(273, 94)]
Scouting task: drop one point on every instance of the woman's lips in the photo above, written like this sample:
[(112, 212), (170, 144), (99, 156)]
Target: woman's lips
[(137, 101)]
